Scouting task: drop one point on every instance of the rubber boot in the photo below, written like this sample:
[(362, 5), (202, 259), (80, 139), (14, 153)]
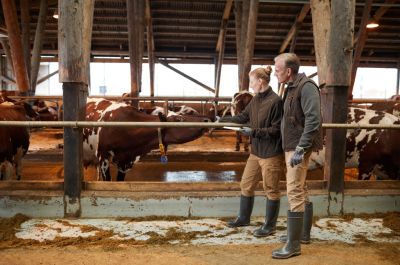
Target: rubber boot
[(307, 224), (246, 207), (271, 216), (292, 246)]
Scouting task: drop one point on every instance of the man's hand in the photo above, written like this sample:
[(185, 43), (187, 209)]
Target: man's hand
[(247, 131), (297, 157), (217, 118)]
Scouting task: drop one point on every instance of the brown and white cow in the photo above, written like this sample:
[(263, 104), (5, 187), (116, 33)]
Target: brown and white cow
[(124, 146), (239, 102), (14, 141), (372, 151)]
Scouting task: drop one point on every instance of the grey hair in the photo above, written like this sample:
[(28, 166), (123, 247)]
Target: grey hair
[(291, 61)]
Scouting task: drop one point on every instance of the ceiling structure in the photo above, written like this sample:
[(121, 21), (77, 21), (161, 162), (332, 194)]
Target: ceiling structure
[(187, 31)]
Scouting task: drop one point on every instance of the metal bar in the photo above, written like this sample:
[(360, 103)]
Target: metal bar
[(85, 124)]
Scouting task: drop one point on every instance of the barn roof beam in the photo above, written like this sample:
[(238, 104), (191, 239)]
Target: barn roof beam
[(186, 76), (293, 30), (220, 48)]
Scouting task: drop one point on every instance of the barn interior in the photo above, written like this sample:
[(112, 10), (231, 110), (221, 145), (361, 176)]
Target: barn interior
[(199, 32)]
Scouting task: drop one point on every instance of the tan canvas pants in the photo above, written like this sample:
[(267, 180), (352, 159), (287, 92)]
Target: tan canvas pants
[(297, 192), (269, 170)]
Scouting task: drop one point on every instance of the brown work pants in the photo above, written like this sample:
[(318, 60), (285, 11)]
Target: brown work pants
[(269, 170), (296, 186)]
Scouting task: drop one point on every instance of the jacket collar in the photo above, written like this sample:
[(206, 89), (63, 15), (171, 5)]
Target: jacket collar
[(265, 93), (297, 80)]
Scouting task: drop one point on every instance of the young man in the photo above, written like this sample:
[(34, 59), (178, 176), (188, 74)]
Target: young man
[(301, 134)]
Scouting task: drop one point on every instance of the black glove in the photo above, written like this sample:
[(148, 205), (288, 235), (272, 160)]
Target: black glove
[(297, 157), (247, 131)]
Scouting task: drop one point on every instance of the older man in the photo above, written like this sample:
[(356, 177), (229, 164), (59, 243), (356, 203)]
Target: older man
[(301, 134)]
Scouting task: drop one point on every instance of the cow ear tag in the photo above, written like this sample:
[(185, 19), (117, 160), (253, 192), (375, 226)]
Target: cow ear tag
[(163, 158)]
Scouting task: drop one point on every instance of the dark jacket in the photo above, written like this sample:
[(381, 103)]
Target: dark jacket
[(301, 124), (263, 114)]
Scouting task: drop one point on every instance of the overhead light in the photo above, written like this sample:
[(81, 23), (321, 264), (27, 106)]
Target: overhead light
[(55, 15), (372, 23)]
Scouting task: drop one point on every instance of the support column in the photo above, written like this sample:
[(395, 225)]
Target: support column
[(150, 47), (14, 36), (74, 22), (249, 40), (338, 81), (321, 19), (37, 45), (26, 36)]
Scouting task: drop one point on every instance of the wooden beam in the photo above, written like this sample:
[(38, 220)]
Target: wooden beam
[(44, 78), (37, 45), (361, 38), (26, 40), (321, 17), (8, 80), (135, 15), (238, 30), (72, 37), (337, 83), (11, 19), (7, 51), (299, 19), (87, 36), (186, 76), (249, 47), (150, 46), (243, 35), (383, 9), (220, 48)]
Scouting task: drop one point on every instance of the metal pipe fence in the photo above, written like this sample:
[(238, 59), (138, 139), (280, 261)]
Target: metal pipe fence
[(86, 124)]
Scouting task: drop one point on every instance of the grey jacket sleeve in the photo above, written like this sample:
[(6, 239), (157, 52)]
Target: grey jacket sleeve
[(311, 105)]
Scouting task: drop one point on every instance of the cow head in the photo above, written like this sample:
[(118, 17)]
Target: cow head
[(239, 102), (183, 135)]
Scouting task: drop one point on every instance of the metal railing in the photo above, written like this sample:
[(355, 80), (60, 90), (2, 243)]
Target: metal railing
[(86, 124)]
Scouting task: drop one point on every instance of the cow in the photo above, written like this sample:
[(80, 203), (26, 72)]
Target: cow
[(47, 110), (29, 111), (125, 146), (373, 151), (389, 107), (239, 102), (14, 141)]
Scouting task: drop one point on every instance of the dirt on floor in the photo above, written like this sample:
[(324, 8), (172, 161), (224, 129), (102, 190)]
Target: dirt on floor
[(316, 253), (102, 249)]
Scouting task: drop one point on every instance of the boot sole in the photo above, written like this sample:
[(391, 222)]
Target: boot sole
[(264, 235), (286, 257), (235, 226)]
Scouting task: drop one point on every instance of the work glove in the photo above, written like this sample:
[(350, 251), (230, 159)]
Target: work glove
[(217, 118), (247, 131), (297, 157)]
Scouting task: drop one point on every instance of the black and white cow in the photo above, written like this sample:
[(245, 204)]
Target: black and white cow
[(373, 151)]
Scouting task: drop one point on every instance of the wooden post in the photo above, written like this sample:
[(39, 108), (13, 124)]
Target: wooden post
[(249, 47), (243, 35), (220, 48), (135, 13), (37, 45), (150, 47), (338, 81), (26, 36), (238, 30), (74, 19), (6, 48), (321, 18), (14, 36)]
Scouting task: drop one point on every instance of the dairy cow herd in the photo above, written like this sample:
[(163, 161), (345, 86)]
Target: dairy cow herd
[(374, 151)]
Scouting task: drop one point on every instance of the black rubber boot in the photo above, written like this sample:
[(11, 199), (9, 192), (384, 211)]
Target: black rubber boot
[(307, 224), (271, 216), (292, 246), (246, 207)]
